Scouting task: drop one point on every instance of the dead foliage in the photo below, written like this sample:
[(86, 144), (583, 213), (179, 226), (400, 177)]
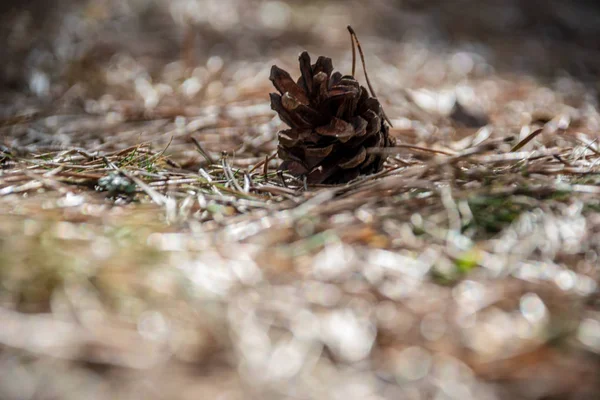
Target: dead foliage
[(150, 248)]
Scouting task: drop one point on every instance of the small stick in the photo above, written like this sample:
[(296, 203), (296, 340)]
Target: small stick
[(266, 167), (528, 139), (159, 154), (397, 149), (353, 51), (202, 151), (261, 163), (280, 174), (362, 59)]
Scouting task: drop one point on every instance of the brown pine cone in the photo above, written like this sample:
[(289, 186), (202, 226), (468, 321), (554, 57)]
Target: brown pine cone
[(333, 122)]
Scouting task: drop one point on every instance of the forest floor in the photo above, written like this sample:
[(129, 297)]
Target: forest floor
[(149, 248)]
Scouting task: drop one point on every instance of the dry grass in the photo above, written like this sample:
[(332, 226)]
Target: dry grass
[(150, 249)]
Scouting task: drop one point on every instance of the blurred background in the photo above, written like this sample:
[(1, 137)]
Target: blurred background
[(103, 302), (52, 36)]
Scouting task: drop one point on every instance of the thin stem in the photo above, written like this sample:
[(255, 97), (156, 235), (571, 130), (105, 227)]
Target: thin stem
[(353, 50), (362, 59)]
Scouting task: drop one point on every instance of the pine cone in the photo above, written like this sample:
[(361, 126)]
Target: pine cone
[(333, 121)]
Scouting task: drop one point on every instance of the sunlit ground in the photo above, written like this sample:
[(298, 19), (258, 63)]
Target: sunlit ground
[(149, 248)]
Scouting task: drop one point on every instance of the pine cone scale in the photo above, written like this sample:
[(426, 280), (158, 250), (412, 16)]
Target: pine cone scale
[(289, 117), (306, 77), (354, 161), (318, 152), (283, 82), (337, 128), (286, 155), (360, 125), (323, 64)]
